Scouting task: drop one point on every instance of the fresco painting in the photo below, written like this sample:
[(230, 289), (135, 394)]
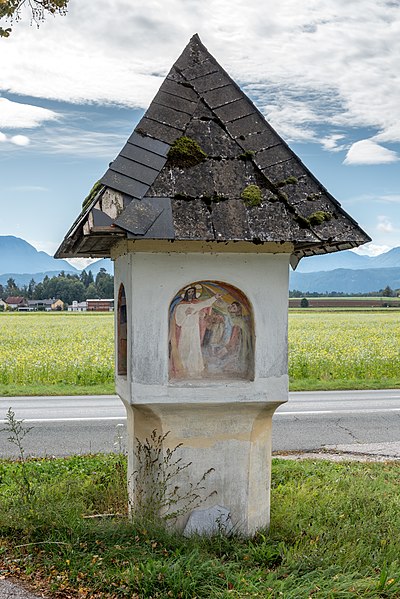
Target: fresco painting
[(211, 333)]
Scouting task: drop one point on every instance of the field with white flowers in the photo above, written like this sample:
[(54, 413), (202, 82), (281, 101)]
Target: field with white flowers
[(56, 351), (337, 349), (64, 353)]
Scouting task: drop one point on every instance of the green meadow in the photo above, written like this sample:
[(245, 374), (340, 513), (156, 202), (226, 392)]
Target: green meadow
[(63, 353)]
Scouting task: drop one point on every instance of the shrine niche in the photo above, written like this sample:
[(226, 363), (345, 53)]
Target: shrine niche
[(211, 333)]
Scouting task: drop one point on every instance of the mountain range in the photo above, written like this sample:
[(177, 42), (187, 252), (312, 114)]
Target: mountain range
[(345, 272), (22, 262), (349, 259)]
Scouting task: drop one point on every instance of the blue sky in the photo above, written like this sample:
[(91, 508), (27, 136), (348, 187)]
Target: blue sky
[(324, 73)]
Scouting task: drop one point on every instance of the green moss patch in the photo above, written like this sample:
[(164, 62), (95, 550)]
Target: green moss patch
[(289, 181), (92, 194), (247, 155), (251, 195), (318, 217), (185, 152)]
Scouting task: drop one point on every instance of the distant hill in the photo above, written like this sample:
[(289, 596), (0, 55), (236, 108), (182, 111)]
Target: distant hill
[(102, 263), (346, 280), (349, 259), (19, 256), (20, 261)]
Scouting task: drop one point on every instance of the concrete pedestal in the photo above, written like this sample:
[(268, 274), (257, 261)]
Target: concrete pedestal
[(232, 439)]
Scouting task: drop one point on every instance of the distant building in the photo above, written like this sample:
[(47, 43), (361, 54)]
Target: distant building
[(100, 305), (16, 303), (45, 305), (3, 305), (77, 306)]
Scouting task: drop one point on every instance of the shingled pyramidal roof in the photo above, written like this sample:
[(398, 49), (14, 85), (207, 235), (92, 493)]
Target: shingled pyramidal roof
[(158, 188)]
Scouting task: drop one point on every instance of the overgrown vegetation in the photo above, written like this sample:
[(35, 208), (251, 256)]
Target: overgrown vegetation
[(334, 533)]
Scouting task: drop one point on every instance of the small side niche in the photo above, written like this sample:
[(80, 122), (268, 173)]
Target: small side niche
[(122, 333), (211, 333)]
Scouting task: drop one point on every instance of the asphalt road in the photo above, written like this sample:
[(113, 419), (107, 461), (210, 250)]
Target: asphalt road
[(66, 425)]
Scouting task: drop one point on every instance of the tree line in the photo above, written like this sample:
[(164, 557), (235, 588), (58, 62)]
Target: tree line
[(66, 287), (386, 292)]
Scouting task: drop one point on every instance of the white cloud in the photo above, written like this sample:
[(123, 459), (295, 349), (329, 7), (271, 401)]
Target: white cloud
[(78, 142), (367, 151), (26, 188), (330, 143), (372, 249), (341, 59), (17, 140), (82, 263), (16, 115), (384, 225), (391, 198), (20, 140)]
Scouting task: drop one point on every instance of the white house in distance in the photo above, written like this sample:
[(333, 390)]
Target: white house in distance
[(77, 306), (202, 211)]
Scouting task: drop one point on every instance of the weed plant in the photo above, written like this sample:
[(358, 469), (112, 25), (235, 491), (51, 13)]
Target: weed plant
[(158, 496), (334, 534)]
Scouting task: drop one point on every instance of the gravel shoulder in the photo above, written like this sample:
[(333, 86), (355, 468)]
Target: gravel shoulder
[(356, 452)]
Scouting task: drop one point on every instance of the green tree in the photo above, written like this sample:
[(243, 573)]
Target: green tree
[(387, 292), (104, 284), (304, 303), (10, 10), (11, 289), (31, 288), (91, 292), (86, 277)]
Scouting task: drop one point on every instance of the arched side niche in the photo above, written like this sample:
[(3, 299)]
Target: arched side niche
[(122, 333), (211, 333)]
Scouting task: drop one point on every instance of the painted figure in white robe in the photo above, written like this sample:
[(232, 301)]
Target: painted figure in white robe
[(186, 344)]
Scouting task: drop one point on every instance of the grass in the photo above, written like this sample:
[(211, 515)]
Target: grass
[(12, 390), (334, 534), (311, 384)]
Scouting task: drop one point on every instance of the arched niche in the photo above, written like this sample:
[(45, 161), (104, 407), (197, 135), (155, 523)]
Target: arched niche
[(211, 333), (122, 333)]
